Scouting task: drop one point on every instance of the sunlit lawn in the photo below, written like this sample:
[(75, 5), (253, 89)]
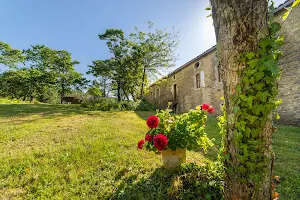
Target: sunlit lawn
[(65, 152)]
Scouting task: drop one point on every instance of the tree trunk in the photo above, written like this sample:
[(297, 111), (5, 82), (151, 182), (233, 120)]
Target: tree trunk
[(143, 80), (119, 91), (62, 94), (239, 26)]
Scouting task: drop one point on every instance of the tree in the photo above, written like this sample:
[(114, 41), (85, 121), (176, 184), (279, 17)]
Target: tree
[(66, 75), (9, 56), (102, 69), (94, 92), (247, 49), (134, 59), (39, 62), (153, 51)]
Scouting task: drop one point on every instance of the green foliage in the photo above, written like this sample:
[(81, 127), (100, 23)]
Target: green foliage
[(46, 74), (108, 104), (145, 105), (185, 131), (200, 182), (253, 103), (9, 56), (94, 92), (135, 60)]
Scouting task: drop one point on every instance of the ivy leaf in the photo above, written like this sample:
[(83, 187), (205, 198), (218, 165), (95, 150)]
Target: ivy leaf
[(252, 63), (263, 96), (243, 97), (248, 132), (262, 68), (240, 125), (207, 8), (259, 75), (210, 15), (268, 79), (259, 86), (250, 55), (249, 101), (264, 44), (277, 116), (236, 109), (275, 27), (238, 88)]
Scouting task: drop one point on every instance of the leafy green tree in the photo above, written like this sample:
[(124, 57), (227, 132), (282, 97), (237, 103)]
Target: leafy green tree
[(118, 46), (152, 52), (39, 62), (14, 83), (8, 56), (66, 75), (94, 91)]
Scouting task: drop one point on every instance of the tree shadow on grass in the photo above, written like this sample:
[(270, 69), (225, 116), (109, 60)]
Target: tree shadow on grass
[(14, 110), (157, 186)]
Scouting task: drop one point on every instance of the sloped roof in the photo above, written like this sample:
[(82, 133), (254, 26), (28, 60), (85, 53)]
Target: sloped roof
[(208, 51)]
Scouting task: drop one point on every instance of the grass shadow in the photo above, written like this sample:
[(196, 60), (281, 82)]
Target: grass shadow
[(157, 186)]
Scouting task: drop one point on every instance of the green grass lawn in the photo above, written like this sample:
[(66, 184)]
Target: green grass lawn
[(66, 152)]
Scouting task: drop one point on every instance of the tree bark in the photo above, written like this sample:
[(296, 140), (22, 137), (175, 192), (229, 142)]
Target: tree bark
[(239, 26), (119, 91), (143, 80)]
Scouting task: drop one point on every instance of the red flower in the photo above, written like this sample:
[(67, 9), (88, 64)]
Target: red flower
[(140, 144), (160, 142), (152, 121), (211, 109), (205, 106), (149, 138)]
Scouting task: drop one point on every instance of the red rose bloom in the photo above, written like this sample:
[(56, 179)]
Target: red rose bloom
[(160, 142), (211, 109), (140, 144), (205, 106), (149, 138), (152, 121)]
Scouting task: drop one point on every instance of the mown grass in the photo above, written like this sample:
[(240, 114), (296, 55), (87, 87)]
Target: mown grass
[(66, 152)]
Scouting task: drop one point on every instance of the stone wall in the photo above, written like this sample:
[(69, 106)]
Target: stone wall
[(289, 85), (188, 96)]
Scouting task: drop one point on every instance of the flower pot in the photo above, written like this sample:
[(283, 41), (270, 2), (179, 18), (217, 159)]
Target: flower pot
[(172, 158)]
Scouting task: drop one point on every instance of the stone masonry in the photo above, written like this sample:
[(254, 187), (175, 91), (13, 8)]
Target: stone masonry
[(198, 81)]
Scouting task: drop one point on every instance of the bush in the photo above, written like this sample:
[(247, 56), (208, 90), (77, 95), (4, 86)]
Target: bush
[(111, 104), (145, 105), (108, 104)]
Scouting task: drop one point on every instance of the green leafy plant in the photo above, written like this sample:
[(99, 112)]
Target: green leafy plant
[(185, 131)]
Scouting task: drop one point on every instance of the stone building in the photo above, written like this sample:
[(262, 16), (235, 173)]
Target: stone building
[(199, 80)]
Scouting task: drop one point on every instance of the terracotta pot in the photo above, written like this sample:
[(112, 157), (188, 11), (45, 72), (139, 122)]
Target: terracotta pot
[(172, 158)]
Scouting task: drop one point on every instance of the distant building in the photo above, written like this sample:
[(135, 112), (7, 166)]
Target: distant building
[(199, 80)]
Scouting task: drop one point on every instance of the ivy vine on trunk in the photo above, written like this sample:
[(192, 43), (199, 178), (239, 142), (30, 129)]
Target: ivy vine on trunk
[(247, 45)]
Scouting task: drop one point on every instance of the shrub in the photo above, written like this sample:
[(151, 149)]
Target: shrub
[(108, 104), (145, 105)]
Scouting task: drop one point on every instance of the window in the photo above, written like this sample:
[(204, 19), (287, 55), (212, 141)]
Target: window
[(197, 64), (175, 91), (157, 93), (197, 81), (174, 77), (200, 82), (151, 95)]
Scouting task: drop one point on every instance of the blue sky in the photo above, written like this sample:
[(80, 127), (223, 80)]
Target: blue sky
[(74, 25)]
